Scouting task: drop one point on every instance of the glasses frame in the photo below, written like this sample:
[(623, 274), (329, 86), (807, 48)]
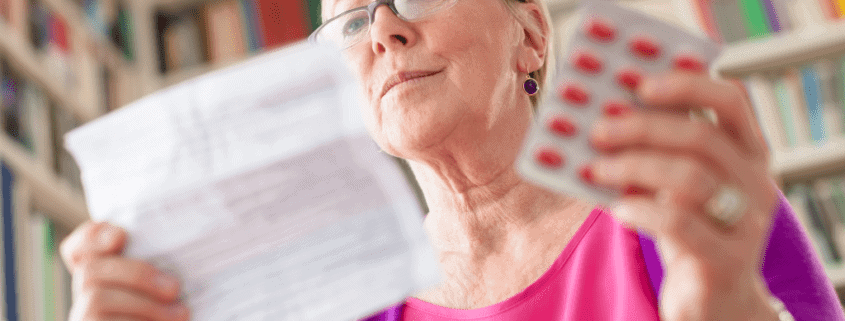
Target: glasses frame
[(371, 14)]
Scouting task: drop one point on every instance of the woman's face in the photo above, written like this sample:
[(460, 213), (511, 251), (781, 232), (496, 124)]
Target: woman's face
[(453, 76)]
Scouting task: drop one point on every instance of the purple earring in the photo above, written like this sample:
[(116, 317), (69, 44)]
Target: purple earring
[(531, 86)]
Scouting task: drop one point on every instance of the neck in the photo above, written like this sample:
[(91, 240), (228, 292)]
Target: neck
[(478, 212)]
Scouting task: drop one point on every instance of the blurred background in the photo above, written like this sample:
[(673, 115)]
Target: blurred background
[(66, 62)]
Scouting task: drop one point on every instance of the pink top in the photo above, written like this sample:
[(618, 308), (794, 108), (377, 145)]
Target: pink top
[(600, 275)]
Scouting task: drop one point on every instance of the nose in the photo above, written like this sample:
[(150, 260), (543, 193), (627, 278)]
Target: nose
[(388, 32)]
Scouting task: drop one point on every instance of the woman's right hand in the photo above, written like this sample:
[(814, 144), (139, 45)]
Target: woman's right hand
[(108, 286)]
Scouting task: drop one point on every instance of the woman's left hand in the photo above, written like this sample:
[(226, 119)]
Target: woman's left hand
[(670, 166)]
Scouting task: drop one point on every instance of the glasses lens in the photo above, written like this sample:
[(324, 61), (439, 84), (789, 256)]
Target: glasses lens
[(345, 30), (418, 9)]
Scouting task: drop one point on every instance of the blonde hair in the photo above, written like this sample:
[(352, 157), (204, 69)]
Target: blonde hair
[(542, 74)]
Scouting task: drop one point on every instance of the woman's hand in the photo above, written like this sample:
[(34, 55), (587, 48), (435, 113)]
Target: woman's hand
[(107, 286), (669, 166)]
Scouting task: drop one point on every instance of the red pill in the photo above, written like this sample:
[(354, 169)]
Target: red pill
[(601, 31), (586, 173), (563, 127), (616, 108), (629, 79), (645, 48), (689, 63), (549, 157), (575, 95), (587, 63)]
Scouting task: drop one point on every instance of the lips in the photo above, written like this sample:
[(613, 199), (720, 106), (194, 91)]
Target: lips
[(401, 77)]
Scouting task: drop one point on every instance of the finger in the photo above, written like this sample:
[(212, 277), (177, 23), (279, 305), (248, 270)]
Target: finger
[(678, 181), (104, 302), (686, 233), (127, 273), (678, 89), (91, 240), (671, 133)]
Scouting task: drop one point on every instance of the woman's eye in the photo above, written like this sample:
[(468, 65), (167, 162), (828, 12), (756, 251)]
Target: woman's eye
[(354, 26)]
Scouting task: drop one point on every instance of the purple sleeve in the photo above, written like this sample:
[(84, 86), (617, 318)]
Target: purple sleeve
[(393, 313), (794, 272)]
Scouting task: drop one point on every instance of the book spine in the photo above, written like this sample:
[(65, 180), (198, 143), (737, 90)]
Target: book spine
[(838, 87), (9, 250), (763, 98), (810, 82), (755, 18), (797, 200), (832, 111), (785, 112), (282, 22), (822, 226), (831, 216), (729, 20), (314, 14), (797, 103), (771, 15)]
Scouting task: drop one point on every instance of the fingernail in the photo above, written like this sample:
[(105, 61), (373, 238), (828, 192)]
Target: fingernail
[(178, 311), (107, 237), (166, 282)]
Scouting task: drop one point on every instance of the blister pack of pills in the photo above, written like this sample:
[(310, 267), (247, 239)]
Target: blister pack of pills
[(613, 49)]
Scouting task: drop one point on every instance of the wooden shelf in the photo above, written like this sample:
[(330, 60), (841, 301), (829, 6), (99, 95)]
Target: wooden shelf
[(836, 274), (809, 160), (52, 195), (20, 54), (782, 50)]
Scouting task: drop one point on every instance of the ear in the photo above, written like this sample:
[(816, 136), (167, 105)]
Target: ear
[(534, 44)]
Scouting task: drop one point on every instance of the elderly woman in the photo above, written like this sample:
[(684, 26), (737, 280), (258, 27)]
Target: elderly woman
[(444, 81)]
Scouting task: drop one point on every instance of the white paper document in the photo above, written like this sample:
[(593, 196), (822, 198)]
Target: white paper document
[(259, 187)]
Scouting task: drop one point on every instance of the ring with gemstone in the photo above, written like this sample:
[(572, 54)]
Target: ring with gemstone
[(726, 206)]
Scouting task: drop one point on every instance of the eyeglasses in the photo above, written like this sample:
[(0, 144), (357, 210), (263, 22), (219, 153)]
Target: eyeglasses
[(352, 26)]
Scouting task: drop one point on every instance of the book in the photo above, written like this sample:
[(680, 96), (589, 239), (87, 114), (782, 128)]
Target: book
[(37, 267), (729, 20), (799, 197), (183, 44), (771, 15), (755, 18), (315, 15), (763, 97), (10, 269), (832, 218), (787, 119), (225, 32), (35, 118), (813, 101), (831, 107), (126, 32), (249, 17), (282, 22), (783, 13), (795, 96)]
